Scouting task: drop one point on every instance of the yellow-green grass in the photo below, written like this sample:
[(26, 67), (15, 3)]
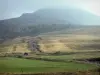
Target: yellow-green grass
[(67, 56), (16, 65), (58, 42), (14, 48), (82, 55), (69, 42)]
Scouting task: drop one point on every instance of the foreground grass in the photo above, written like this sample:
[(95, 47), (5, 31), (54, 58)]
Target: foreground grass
[(36, 66)]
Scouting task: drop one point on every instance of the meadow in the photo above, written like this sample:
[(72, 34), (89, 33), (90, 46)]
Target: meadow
[(8, 64)]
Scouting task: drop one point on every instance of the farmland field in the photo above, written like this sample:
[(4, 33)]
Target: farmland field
[(24, 65)]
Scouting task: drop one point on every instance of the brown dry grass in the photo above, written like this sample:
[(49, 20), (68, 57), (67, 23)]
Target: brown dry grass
[(55, 73)]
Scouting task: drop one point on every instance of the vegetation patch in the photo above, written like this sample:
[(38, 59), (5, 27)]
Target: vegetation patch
[(24, 65)]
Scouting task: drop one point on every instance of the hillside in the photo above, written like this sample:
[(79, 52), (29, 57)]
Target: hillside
[(45, 20), (79, 39), (75, 39)]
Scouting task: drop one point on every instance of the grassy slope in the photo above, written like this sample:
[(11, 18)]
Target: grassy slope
[(19, 65), (20, 48), (70, 40)]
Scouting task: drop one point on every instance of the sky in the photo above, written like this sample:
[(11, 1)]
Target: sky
[(14, 8)]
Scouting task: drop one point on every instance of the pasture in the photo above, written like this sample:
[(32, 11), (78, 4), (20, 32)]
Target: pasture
[(20, 65)]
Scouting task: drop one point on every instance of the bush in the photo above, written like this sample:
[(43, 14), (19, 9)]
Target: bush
[(57, 53), (19, 56)]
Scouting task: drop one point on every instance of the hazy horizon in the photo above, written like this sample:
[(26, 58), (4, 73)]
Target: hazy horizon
[(14, 8)]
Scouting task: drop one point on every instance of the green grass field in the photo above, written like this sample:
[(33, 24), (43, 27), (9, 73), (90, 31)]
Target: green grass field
[(82, 55), (35, 66)]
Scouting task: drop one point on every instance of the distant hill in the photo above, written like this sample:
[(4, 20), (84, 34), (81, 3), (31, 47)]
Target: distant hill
[(55, 16), (62, 16), (45, 20)]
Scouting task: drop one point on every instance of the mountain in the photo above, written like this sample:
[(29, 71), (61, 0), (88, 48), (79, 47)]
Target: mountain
[(55, 16), (45, 20), (62, 16), (59, 16)]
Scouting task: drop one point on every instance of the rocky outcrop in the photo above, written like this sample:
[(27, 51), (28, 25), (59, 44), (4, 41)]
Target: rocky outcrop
[(33, 45)]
